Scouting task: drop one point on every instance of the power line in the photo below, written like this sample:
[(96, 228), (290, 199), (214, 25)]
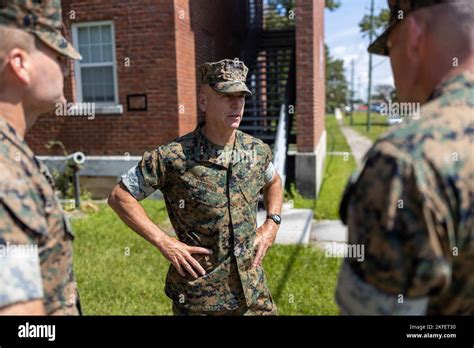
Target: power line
[(380, 63)]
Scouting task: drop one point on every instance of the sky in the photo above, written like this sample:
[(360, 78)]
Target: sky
[(345, 41)]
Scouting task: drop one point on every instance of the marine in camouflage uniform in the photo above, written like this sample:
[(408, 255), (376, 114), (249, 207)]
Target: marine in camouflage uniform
[(35, 235), (211, 194), (412, 208)]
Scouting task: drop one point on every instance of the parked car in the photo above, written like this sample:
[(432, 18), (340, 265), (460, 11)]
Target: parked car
[(376, 107), (394, 119)]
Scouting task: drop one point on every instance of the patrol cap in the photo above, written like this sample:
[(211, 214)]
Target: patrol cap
[(398, 10), (225, 76), (41, 18)]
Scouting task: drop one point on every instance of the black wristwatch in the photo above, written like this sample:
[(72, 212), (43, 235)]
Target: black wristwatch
[(275, 217)]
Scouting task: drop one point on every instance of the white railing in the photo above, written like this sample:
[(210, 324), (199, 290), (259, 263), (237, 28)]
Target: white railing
[(281, 141)]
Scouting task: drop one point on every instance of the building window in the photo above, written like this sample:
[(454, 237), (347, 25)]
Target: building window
[(96, 73)]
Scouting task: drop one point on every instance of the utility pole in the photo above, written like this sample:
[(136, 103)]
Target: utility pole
[(359, 84), (352, 92), (369, 96)]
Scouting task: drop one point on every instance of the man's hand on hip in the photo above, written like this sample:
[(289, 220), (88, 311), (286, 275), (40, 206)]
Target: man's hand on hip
[(179, 254)]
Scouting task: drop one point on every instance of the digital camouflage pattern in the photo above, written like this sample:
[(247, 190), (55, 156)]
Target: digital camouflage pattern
[(30, 214), (225, 76), (399, 9), (40, 18), (262, 306), (211, 195), (412, 206)]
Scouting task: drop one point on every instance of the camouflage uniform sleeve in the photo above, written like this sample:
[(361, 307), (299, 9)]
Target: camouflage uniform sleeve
[(20, 273), (388, 215), (146, 177), (270, 170)]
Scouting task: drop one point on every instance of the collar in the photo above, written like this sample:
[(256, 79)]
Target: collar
[(8, 132), (221, 155), (460, 82)]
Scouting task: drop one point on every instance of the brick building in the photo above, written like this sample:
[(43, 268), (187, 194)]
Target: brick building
[(139, 71)]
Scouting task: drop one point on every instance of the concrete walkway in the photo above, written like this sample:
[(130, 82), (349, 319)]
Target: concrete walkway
[(295, 226), (328, 232), (358, 143)]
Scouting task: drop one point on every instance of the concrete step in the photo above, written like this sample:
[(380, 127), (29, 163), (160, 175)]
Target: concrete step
[(295, 225), (328, 233)]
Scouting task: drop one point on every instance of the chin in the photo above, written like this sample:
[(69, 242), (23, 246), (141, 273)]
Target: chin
[(233, 124)]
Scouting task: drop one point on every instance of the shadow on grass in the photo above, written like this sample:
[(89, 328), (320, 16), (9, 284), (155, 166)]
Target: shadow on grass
[(381, 124)]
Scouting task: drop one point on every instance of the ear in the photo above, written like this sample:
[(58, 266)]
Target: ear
[(415, 30), (202, 102), (20, 64)]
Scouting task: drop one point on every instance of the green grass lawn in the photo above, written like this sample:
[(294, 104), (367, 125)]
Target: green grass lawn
[(337, 170), (336, 141), (379, 124), (119, 273)]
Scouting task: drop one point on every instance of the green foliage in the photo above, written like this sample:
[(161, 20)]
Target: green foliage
[(280, 13), (64, 183), (119, 273), (336, 83), (298, 200), (332, 5), (289, 5), (381, 21)]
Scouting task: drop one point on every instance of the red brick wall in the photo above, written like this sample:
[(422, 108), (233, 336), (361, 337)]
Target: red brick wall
[(163, 49), (206, 30), (310, 73)]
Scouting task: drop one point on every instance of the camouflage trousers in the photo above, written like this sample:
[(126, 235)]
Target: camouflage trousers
[(263, 306)]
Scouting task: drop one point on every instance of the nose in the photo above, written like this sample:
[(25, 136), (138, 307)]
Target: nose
[(236, 101)]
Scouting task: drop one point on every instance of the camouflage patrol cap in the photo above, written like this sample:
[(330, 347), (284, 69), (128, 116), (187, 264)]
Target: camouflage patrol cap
[(225, 76), (41, 18), (398, 11)]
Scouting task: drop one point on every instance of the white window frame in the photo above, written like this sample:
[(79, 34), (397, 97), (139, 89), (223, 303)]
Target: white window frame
[(105, 107)]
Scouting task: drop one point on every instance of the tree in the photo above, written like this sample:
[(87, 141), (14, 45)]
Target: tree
[(332, 4), (386, 93), (380, 23), (336, 83), (280, 13), (289, 5)]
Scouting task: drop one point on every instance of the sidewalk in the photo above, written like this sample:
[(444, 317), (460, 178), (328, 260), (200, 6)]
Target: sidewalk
[(328, 232), (358, 143), (296, 225)]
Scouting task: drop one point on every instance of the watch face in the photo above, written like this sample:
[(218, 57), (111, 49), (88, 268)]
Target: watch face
[(276, 218)]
